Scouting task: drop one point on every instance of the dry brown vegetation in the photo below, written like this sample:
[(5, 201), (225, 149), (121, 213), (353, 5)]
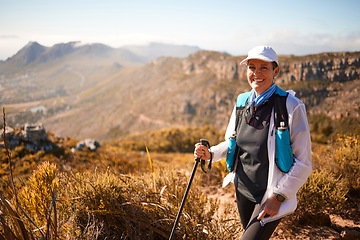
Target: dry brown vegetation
[(115, 194)]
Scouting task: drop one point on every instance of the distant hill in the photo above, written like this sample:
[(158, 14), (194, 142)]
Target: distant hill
[(94, 90), (28, 54), (36, 72), (34, 54), (155, 50)]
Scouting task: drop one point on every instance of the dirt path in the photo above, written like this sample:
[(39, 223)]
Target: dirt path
[(23, 106), (340, 228)]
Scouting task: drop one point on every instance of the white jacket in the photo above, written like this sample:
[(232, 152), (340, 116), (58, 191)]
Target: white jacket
[(286, 184)]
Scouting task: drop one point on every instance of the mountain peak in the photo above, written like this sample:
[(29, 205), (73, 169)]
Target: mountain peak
[(58, 50), (28, 53), (31, 44)]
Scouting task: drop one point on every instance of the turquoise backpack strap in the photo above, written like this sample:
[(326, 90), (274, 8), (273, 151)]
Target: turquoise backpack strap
[(240, 104), (242, 99), (281, 92)]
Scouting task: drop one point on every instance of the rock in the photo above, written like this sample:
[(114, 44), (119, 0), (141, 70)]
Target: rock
[(32, 136), (34, 133), (12, 138), (89, 143), (35, 137), (350, 235)]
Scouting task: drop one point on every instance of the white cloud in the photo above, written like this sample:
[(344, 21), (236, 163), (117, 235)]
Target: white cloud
[(294, 42), (8, 37)]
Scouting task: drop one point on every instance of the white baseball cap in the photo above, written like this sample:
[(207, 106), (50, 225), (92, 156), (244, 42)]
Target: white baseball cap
[(264, 53)]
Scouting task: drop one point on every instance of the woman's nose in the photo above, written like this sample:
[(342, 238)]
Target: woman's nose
[(257, 71)]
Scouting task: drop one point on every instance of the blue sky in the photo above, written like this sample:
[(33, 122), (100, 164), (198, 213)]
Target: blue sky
[(232, 26)]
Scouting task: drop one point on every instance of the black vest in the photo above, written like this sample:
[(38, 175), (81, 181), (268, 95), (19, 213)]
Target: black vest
[(251, 151)]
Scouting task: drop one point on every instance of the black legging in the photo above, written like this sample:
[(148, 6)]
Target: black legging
[(249, 212)]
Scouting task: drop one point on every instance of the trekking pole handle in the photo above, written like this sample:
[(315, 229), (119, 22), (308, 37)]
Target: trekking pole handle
[(205, 143)]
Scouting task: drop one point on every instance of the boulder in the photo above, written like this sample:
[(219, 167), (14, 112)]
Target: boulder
[(88, 143), (33, 136)]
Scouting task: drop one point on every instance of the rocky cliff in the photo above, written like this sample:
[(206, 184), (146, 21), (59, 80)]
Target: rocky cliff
[(322, 81), (340, 67)]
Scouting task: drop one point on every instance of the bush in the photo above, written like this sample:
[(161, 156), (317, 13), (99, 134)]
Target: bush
[(36, 197), (103, 205), (324, 129), (342, 158), (337, 169), (347, 158), (322, 192), (172, 139), (20, 152), (135, 207)]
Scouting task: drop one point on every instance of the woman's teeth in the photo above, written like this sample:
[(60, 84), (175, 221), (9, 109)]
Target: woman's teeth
[(258, 80)]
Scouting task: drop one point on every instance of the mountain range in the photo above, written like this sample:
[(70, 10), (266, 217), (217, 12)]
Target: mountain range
[(97, 91)]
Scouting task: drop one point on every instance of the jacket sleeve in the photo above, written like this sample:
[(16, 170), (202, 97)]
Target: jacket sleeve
[(220, 150), (290, 183)]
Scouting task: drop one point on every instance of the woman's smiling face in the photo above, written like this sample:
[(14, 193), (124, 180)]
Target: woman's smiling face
[(260, 75)]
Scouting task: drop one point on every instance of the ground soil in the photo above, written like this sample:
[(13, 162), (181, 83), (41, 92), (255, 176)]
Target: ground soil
[(343, 226)]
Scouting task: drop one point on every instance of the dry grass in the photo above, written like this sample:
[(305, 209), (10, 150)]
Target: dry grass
[(118, 194)]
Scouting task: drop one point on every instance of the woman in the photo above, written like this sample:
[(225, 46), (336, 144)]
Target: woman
[(264, 194)]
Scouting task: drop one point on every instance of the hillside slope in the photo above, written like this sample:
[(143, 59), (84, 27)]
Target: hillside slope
[(94, 90), (201, 89)]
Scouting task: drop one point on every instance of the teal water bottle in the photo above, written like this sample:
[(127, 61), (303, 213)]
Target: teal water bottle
[(230, 152), (283, 156)]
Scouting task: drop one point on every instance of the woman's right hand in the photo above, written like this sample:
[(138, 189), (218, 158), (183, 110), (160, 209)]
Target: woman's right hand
[(202, 152)]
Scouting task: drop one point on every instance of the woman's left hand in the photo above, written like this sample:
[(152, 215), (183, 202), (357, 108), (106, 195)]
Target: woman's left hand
[(270, 207)]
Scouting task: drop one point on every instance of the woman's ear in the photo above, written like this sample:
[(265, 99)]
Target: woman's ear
[(276, 71)]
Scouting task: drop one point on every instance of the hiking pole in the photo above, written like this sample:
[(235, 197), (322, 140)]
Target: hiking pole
[(203, 142)]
